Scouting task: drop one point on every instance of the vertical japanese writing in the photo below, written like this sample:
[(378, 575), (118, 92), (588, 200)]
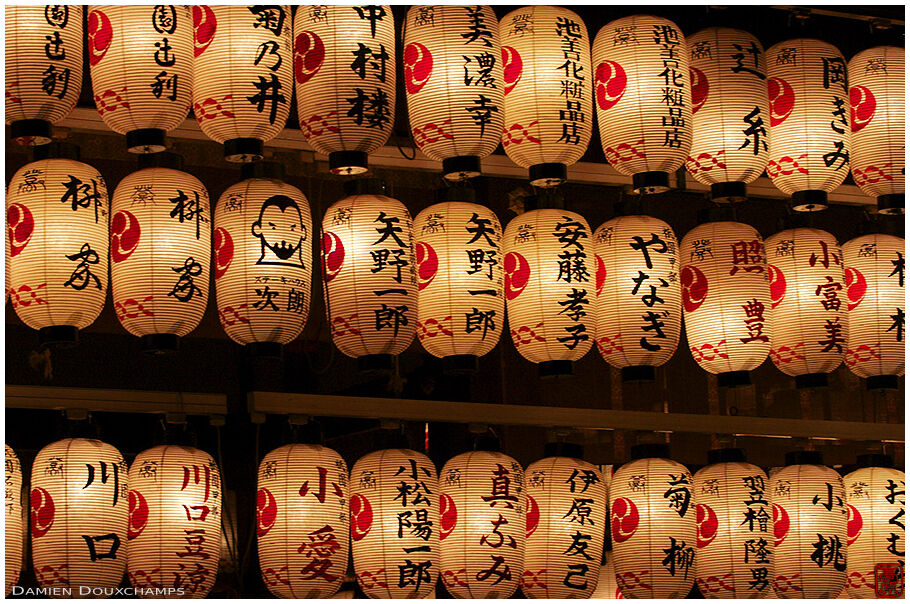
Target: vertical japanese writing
[(572, 82), (415, 498), (269, 55), (652, 318), (165, 83), (571, 233), (55, 80), (756, 519), (478, 68), (667, 38), (390, 253), (370, 106)]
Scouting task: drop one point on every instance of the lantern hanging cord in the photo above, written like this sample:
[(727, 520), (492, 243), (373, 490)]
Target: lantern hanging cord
[(403, 154), (232, 542)]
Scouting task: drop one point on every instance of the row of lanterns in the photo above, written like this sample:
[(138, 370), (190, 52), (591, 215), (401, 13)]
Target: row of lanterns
[(715, 102), (483, 525), (449, 276)]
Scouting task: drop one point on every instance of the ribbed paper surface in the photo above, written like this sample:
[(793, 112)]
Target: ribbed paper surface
[(13, 519)]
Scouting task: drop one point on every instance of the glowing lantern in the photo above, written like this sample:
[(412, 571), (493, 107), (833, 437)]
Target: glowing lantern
[(369, 270), (302, 521), (810, 528), (808, 304), (729, 111), (454, 84), (652, 510), (242, 78), (725, 297), (877, 117), (637, 294), (809, 134), (640, 62), (482, 535), (263, 259), (460, 310), (607, 588), (175, 517), (43, 68), (875, 522), (548, 288), (547, 68), (13, 519), (56, 222), (735, 528), (79, 516), (161, 238), (874, 271), (395, 524), (344, 65)]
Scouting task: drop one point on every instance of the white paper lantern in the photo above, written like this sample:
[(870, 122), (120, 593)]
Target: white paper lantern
[(810, 529), (607, 588), (344, 66), (729, 111), (370, 273), (726, 298), (79, 516), (549, 287), (643, 98), (808, 304), (460, 304), (242, 75), (43, 68), (652, 521), (454, 84), (161, 236), (546, 57), (637, 297), (482, 530), (809, 134), (174, 528), (263, 259), (395, 524), (875, 527), (302, 522), (13, 518), (874, 271), (57, 228), (735, 528)]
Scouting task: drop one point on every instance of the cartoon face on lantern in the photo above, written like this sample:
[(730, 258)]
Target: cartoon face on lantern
[(309, 54), (418, 65), (610, 84), (281, 232)]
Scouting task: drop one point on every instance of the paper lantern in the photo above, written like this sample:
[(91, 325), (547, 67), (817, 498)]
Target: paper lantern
[(546, 59), (302, 524), (549, 287), (607, 588), (57, 227), (370, 273), (809, 134), (725, 297), (808, 304), (482, 530), (43, 68), (874, 282), (875, 527), (344, 66), (79, 516), (161, 237), (395, 524), (263, 259), (242, 80), (729, 111), (735, 528), (13, 519), (174, 528), (643, 99), (810, 529), (653, 525), (877, 125), (454, 84), (637, 296), (460, 304)]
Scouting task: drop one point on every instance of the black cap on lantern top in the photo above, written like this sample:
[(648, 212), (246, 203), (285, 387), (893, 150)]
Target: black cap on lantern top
[(811, 380), (239, 150), (456, 193), (727, 455), (57, 150), (554, 369), (264, 350), (638, 373), (145, 140), (650, 183), (892, 203), (563, 449), (811, 200), (547, 175), (460, 364), (262, 169), (347, 163), (794, 458), (159, 343), (165, 159), (731, 191), (733, 379), (365, 186), (461, 167), (63, 336), (874, 460), (882, 382), (650, 450), (34, 132)]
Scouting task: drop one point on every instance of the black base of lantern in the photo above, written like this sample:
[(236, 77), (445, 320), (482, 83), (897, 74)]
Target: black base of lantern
[(462, 167), (347, 163), (365, 186), (159, 343), (145, 140), (561, 449), (811, 380), (64, 336), (554, 369), (262, 169), (547, 175), (879, 382), (240, 150), (264, 350), (809, 201), (162, 159), (728, 191), (649, 183), (727, 455), (643, 373), (30, 132), (732, 379), (891, 204), (376, 362), (797, 458), (460, 364), (874, 460), (649, 450)]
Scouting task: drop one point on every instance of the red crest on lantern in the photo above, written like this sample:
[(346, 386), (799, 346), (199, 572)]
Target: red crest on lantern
[(856, 287), (125, 234), (778, 284), (600, 275), (517, 273), (224, 251), (266, 511), (204, 25), (781, 99), (694, 287), (42, 512), (361, 516), (781, 523), (623, 519), (19, 224), (139, 515), (427, 264), (448, 515), (706, 520), (511, 67), (309, 54), (854, 524), (862, 107), (332, 255), (700, 88), (532, 516), (610, 83), (418, 65), (100, 34)]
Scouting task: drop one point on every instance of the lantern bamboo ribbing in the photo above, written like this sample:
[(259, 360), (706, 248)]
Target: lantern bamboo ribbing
[(13, 518)]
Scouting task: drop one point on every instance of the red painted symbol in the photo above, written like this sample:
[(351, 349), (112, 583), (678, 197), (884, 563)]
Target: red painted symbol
[(862, 107), (139, 515), (332, 255), (600, 275), (273, 577), (517, 134), (210, 109), (609, 84), (778, 284), (100, 34), (317, 125), (432, 132), (854, 524), (125, 234), (42, 512), (427, 264), (361, 516), (694, 164), (204, 26), (532, 516), (889, 580), (517, 274), (266, 511), (694, 287), (448, 515), (534, 578), (454, 578), (19, 225), (706, 520), (309, 54), (418, 65), (856, 287), (511, 67), (224, 251), (111, 100), (623, 519), (624, 152), (700, 88), (781, 100), (125, 308), (781, 521)]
